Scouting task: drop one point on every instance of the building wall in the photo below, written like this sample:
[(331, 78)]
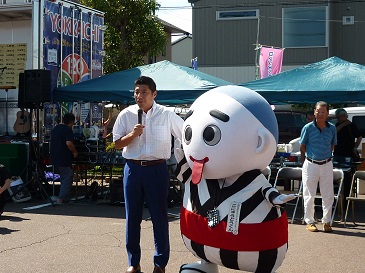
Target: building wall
[(13, 32), (347, 41), (182, 51), (226, 48)]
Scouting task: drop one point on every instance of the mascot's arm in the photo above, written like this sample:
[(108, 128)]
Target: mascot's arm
[(283, 198), (183, 171), (274, 196)]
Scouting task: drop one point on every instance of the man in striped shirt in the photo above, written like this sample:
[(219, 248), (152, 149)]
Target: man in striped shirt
[(317, 141)]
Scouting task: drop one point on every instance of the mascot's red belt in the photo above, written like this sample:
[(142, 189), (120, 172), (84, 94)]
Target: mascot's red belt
[(251, 237)]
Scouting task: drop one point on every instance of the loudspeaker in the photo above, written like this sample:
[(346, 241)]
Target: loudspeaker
[(37, 86), (21, 94)]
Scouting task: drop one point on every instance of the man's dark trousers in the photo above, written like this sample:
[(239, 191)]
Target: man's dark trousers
[(148, 183)]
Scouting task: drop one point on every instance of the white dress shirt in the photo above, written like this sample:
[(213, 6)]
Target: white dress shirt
[(155, 141)]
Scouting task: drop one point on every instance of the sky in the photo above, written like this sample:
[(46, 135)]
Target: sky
[(177, 13)]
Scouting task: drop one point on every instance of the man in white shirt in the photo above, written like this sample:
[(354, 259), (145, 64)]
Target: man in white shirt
[(146, 146)]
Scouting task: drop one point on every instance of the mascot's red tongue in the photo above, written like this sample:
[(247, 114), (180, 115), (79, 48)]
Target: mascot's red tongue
[(198, 169)]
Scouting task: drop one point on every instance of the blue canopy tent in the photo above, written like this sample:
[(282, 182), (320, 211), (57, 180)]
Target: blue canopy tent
[(175, 85), (332, 80)]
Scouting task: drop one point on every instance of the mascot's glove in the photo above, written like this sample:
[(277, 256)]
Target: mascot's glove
[(283, 198), (178, 151)]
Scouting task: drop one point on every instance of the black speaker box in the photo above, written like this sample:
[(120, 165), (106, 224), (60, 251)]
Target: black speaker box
[(37, 86), (116, 191), (45, 151), (21, 94)]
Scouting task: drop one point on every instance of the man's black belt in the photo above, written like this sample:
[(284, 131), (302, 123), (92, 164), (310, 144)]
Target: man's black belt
[(319, 162), (147, 162)]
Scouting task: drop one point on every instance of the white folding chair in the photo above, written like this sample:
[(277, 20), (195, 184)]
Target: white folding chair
[(355, 193), (51, 176), (293, 175)]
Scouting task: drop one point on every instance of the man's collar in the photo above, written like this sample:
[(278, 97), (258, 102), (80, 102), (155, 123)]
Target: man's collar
[(315, 123)]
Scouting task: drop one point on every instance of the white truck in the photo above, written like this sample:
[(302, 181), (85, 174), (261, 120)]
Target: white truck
[(60, 36)]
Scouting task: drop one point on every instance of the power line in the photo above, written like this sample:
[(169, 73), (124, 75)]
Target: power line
[(264, 4), (174, 8), (279, 3)]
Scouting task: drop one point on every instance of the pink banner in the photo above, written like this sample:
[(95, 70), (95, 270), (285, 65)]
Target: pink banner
[(271, 60)]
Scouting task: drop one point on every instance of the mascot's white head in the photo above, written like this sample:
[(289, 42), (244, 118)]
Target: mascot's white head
[(229, 130)]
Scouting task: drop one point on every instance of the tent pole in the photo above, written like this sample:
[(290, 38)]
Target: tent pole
[(257, 48)]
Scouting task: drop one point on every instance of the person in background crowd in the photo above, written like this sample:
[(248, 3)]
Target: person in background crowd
[(62, 151), (107, 122), (310, 116), (146, 147), (4, 185), (317, 141), (348, 140), (348, 136)]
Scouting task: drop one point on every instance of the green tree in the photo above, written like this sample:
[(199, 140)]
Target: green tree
[(133, 32)]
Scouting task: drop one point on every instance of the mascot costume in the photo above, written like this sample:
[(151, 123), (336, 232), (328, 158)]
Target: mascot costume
[(231, 215)]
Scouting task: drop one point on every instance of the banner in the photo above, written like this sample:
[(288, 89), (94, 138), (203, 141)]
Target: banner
[(73, 45), (13, 58), (271, 60)]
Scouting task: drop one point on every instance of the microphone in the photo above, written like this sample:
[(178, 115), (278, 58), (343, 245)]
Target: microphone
[(140, 113)]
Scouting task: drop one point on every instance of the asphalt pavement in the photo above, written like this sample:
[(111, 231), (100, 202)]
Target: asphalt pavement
[(88, 236)]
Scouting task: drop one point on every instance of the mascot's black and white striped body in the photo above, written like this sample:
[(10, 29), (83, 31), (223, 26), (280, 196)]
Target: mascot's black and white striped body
[(231, 215)]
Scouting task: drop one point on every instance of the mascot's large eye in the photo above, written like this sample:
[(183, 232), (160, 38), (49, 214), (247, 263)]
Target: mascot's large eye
[(188, 132), (212, 135)]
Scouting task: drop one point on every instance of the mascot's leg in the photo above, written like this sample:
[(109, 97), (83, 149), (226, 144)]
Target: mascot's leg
[(199, 267)]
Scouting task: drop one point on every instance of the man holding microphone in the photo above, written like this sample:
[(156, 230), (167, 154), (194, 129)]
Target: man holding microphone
[(144, 132)]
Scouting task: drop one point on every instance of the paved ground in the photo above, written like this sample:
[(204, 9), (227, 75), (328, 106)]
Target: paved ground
[(88, 236)]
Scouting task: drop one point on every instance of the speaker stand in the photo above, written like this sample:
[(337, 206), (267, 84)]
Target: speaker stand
[(6, 88), (37, 179)]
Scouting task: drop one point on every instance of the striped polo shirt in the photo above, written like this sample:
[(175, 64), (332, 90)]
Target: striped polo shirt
[(318, 142)]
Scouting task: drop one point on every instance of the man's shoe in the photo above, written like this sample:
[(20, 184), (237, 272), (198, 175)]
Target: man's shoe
[(159, 269), (134, 269), (312, 227), (327, 227)]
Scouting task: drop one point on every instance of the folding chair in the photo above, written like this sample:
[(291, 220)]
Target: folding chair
[(355, 193), (291, 175), (51, 176), (338, 193)]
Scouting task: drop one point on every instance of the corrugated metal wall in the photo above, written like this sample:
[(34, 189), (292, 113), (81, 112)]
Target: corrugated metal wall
[(227, 47), (347, 41)]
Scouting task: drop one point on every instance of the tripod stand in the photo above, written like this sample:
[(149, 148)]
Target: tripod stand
[(32, 167)]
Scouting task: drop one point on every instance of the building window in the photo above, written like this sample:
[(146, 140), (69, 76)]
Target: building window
[(237, 14), (305, 27)]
